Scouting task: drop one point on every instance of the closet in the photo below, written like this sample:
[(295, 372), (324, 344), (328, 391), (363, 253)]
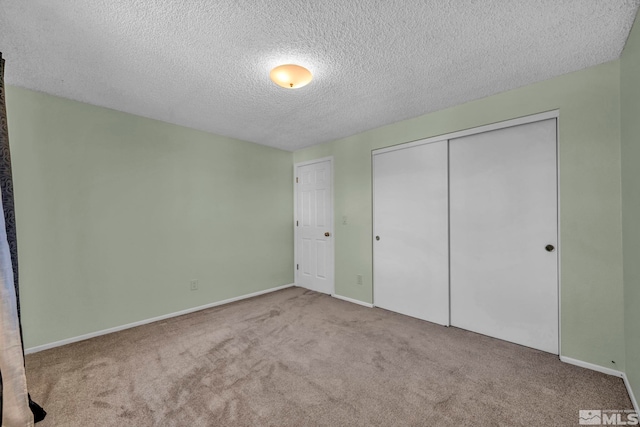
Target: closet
[(411, 266), (465, 231)]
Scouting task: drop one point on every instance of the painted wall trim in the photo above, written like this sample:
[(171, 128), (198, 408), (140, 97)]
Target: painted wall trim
[(631, 395), (310, 162), (151, 320), (592, 366), (553, 114), (559, 232), (354, 301), (607, 371)]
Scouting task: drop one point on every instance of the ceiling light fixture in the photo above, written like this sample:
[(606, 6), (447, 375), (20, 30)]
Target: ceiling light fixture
[(290, 76)]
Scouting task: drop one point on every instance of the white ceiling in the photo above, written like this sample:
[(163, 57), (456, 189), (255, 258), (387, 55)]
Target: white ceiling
[(205, 63)]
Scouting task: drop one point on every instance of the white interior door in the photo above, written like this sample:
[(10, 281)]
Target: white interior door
[(503, 207), (314, 227), (410, 267)]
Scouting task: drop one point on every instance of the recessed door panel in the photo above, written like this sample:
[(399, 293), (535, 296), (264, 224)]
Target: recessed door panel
[(306, 208), (321, 209), (307, 256), (321, 254)]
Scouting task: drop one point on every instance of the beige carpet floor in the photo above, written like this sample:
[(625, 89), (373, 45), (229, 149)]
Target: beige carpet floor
[(298, 358)]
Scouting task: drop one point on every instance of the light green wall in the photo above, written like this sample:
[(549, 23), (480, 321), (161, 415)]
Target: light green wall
[(630, 124), (117, 213), (590, 227)]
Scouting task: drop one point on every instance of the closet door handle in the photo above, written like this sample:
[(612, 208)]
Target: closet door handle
[(377, 237), (550, 248)]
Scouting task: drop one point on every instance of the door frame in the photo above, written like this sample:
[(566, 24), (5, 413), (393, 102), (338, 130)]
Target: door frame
[(332, 254), (551, 114)]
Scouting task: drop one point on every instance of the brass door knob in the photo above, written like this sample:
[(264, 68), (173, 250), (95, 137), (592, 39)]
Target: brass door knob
[(327, 234)]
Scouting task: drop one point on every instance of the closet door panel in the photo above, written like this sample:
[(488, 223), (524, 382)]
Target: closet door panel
[(411, 268), (503, 215)]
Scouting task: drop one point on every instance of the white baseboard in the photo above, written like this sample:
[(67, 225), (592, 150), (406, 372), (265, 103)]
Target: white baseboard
[(631, 395), (151, 320), (354, 301), (592, 366), (608, 371)]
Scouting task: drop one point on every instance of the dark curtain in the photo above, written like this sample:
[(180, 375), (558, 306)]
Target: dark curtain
[(6, 187)]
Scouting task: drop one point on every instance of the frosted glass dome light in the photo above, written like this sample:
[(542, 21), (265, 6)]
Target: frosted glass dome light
[(291, 76)]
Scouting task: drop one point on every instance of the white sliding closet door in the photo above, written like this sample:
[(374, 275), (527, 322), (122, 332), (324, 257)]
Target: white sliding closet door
[(504, 264), (411, 268)]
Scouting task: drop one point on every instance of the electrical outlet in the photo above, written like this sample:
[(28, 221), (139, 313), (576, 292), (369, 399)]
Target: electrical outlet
[(359, 279), (194, 285)]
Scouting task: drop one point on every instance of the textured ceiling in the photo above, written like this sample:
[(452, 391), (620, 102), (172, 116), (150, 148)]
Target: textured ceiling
[(205, 63)]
